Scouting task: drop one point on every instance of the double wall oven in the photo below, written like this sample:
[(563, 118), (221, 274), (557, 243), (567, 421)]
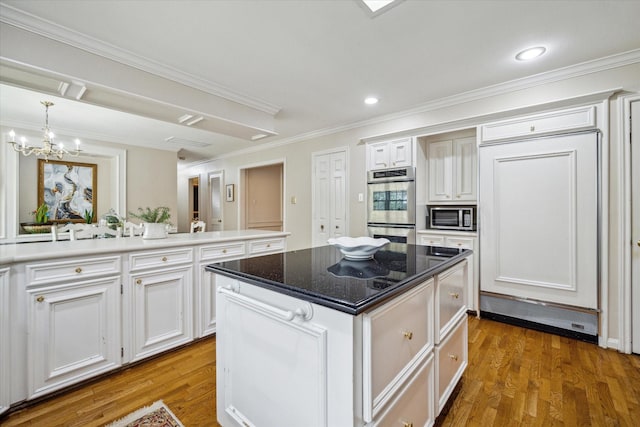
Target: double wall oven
[(391, 204)]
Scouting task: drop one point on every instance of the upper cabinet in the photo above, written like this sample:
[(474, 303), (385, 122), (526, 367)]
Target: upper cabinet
[(390, 154), (452, 170)]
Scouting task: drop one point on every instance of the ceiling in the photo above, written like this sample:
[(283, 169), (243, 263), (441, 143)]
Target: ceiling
[(307, 65)]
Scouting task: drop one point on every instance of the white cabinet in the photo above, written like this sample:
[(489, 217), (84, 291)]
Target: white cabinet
[(459, 240), (73, 325), (160, 289), (553, 122), (260, 247), (451, 360), (452, 169), (5, 354), (390, 154)]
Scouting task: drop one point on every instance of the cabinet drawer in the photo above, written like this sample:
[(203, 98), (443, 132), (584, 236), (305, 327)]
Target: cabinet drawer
[(140, 260), (429, 240), (450, 298), (222, 251), (451, 361), (553, 122), (414, 403), (395, 336), (81, 268), (459, 242), (266, 246)]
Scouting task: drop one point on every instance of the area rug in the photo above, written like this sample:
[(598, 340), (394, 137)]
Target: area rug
[(155, 415)]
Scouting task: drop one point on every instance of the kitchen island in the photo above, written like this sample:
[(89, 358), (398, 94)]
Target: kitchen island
[(309, 338)]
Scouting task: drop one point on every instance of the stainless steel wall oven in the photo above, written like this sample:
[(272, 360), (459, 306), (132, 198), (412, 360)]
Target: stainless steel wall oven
[(391, 204)]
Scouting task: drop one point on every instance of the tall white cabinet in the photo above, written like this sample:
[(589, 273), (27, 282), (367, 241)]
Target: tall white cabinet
[(452, 170)]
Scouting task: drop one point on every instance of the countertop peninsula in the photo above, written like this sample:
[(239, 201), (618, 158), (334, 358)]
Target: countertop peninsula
[(34, 251), (321, 275)]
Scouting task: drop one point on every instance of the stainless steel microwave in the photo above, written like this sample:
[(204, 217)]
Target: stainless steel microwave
[(461, 218)]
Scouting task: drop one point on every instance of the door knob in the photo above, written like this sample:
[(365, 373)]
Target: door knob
[(321, 227), (638, 243)]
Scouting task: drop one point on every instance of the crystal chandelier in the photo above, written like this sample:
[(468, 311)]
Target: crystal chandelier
[(49, 148)]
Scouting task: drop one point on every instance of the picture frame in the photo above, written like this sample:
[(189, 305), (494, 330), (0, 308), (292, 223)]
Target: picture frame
[(230, 192), (69, 189)]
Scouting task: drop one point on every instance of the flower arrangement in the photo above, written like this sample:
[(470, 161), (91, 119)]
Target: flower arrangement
[(160, 214)]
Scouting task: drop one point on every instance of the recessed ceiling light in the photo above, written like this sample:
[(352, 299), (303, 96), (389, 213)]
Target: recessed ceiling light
[(371, 100), (530, 53)]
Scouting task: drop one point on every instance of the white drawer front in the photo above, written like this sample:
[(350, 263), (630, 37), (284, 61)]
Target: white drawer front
[(75, 269), (429, 240), (451, 361), (266, 246), (450, 298), (222, 251), (141, 260), (413, 405), (459, 242), (556, 121), (395, 336)]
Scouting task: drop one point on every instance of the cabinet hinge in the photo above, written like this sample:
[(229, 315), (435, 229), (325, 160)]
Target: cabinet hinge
[(121, 289), (121, 351)]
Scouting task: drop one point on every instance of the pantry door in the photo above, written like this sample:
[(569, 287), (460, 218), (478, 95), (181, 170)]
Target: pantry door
[(329, 209)]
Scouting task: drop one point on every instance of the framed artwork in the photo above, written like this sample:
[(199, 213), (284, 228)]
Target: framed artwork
[(229, 188), (69, 189)]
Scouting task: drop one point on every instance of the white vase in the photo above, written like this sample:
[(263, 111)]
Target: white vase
[(154, 230)]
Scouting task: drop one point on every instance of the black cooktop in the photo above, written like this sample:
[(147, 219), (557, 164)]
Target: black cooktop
[(321, 275)]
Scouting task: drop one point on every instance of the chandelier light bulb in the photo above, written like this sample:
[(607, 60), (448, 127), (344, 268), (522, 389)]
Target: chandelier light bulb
[(12, 135)]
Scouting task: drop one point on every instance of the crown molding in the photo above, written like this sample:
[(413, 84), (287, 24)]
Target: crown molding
[(26, 21)]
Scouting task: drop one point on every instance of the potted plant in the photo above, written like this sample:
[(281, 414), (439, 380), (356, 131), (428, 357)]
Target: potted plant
[(154, 220), (41, 223)]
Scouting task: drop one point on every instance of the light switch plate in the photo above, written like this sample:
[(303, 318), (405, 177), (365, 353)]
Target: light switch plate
[(360, 197)]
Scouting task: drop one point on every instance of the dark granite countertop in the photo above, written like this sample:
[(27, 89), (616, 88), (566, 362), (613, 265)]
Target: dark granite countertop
[(322, 276)]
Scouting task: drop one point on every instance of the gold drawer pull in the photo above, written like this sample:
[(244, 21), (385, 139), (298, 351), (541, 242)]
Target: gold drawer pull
[(139, 282), (268, 245), (453, 357), (407, 335), (78, 270), (164, 258), (406, 424), (40, 298), (224, 251), (454, 295)]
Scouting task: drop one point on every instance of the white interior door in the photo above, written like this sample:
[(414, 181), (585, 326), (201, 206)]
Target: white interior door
[(539, 216), (635, 226), (215, 196), (329, 208)]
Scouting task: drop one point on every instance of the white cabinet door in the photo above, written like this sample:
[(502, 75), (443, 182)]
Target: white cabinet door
[(276, 357), (539, 216), (378, 155), (465, 169), (73, 333), (162, 310), (5, 345), (401, 153), (205, 303), (440, 155)]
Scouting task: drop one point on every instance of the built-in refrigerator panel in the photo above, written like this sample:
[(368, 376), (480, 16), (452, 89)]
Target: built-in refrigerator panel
[(539, 222)]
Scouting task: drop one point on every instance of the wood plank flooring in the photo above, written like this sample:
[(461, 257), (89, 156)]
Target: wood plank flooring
[(516, 377)]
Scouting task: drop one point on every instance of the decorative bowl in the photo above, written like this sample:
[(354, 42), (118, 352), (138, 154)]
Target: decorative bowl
[(36, 227), (358, 248)]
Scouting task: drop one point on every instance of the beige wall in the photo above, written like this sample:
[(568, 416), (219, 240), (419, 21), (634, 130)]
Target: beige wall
[(297, 156)]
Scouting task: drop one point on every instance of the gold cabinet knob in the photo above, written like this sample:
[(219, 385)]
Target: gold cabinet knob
[(164, 258), (224, 251), (638, 243), (454, 295), (139, 282), (453, 357), (268, 245), (406, 424), (78, 270), (407, 335), (40, 298)]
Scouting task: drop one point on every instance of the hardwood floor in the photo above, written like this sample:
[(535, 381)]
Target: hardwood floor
[(516, 377)]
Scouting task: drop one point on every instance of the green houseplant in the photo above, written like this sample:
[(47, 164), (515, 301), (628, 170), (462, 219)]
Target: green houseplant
[(154, 220), (41, 222)]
